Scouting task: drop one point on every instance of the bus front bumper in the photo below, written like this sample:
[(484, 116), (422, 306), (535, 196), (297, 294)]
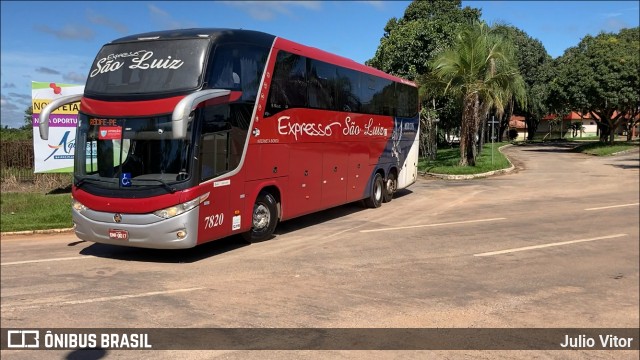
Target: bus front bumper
[(137, 230)]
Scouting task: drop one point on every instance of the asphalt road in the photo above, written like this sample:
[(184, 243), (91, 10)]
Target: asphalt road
[(554, 244)]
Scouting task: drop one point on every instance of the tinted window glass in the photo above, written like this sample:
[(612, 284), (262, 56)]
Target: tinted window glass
[(224, 133), (322, 85), (289, 84), (148, 67), (348, 90), (367, 91), (330, 87), (377, 95), (238, 67), (141, 149), (407, 100), (386, 97)]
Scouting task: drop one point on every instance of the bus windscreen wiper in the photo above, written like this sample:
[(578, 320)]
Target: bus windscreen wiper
[(80, 182), (164, 184)]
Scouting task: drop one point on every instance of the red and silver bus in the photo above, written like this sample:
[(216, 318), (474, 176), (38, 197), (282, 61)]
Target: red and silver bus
[(188, 136)]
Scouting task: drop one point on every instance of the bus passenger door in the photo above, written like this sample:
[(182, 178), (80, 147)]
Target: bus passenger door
[(215, 216)]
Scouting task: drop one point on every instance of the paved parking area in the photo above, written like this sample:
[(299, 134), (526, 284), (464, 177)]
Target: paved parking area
[(554, 244)]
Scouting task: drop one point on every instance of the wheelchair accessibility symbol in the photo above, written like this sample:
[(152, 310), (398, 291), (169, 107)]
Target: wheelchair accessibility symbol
[(125, 179)]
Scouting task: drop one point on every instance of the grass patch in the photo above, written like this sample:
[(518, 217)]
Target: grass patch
[(24, 180), (32, 211), (602, 149), (447, 161)]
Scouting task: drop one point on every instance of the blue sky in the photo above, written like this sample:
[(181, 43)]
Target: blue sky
[(56, 41)]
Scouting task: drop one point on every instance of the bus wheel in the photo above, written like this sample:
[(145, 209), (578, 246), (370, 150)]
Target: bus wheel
[(264, 218), (377, 190), (391, 185)]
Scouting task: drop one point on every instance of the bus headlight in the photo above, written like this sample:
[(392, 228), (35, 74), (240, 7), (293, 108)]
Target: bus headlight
[(78, 206), (181, 208)]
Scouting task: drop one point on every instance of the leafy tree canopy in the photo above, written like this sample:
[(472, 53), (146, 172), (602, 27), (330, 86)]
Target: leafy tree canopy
[(531, 56), (427, 27), (600, 76), (534, 64)]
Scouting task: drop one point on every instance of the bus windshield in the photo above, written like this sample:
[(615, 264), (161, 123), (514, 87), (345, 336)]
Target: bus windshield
[(122, 153), (148, 67)]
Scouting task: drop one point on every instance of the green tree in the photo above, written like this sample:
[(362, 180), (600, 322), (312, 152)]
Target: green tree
[(480, 70), (407, 47), (436, 112), (600, 77), (534, 64), (28, 119), (409, 43)]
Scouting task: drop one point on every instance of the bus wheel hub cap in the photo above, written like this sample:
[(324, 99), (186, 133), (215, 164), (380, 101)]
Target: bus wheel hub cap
[(260, 217)]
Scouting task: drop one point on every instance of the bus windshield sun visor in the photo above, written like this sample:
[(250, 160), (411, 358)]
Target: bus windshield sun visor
[(182, 111), (43, 122)]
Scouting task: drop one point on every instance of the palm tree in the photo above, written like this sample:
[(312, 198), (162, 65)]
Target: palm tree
[(480, 68)]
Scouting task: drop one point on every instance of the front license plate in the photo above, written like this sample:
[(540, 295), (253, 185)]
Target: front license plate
[(118, 234)]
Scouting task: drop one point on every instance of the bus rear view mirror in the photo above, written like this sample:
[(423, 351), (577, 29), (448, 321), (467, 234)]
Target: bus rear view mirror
[(182, 111), (43, 122)]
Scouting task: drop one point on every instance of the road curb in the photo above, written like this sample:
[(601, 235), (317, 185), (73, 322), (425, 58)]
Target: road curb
[(624, 152), (33, 232), (475, 176)]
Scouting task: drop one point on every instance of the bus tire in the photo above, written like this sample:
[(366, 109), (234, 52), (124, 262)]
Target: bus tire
[(390, 187), (264, 219), (377, 192)]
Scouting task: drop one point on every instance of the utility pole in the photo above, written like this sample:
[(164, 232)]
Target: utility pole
[(492, 122)]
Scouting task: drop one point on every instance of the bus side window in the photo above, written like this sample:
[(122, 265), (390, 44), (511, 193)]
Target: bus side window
[(378, 95), (406, 103), (289, 84), (387, 96), (252, 61), (367, 92), (225, 69), (238, 67), (214, 141), (322, 85), (348, 90)]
